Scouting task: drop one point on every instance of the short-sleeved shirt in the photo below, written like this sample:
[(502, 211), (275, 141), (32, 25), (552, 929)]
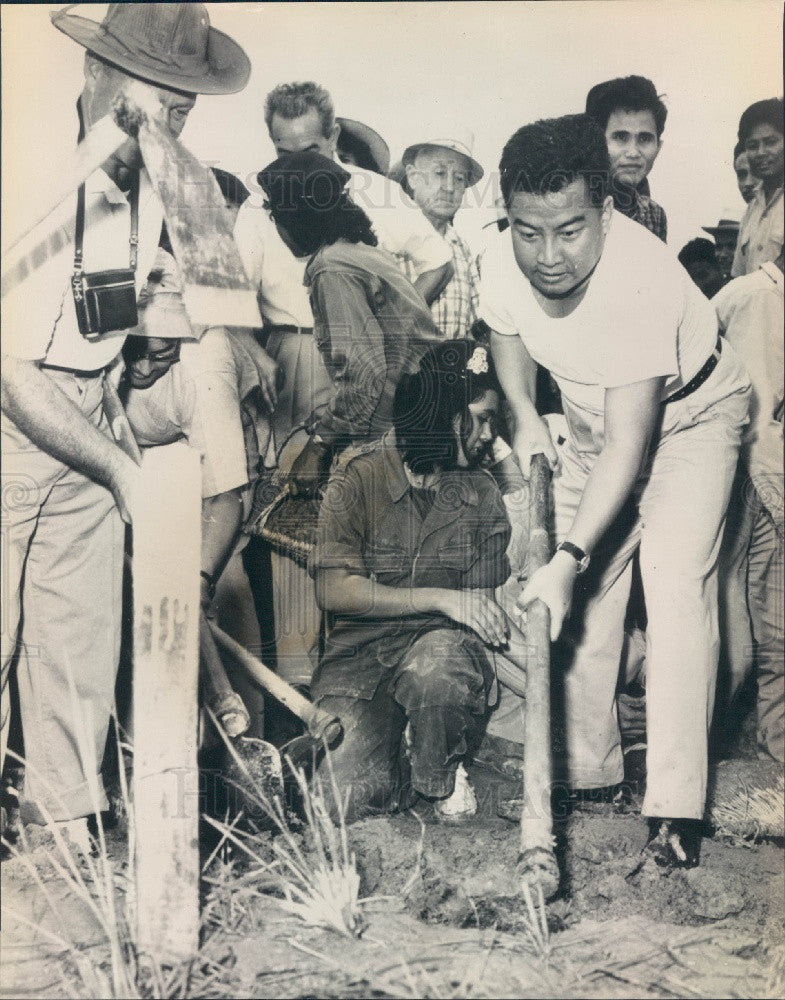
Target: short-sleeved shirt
[(751, 314), (374, 524), (199, 400), (278, 275), (761, 233), (38, 314), (455, 309), (371, 325), (641, 318)]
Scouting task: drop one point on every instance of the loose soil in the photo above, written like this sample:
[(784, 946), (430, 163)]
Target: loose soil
[(444, 918)]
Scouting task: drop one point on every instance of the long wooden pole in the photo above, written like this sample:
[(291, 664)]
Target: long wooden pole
[(167, 542), (537, 860)]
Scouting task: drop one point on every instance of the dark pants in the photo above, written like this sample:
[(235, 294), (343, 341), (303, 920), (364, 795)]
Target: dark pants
[(440, 689)]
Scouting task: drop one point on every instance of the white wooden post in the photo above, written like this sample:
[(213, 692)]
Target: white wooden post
[(166, 562)]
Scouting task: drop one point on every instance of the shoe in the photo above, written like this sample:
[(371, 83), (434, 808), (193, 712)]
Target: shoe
[(462, 804), (673, 843)]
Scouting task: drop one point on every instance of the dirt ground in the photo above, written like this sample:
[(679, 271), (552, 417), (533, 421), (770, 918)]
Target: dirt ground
[(443, 918)]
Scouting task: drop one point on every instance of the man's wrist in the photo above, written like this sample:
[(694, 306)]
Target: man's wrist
[(565, 561)]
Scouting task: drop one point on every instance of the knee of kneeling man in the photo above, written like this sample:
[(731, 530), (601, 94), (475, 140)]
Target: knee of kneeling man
[(441, 666)]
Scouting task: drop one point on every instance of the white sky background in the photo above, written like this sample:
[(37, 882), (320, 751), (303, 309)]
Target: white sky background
[(489, 66)]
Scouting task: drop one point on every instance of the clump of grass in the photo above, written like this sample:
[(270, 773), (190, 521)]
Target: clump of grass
[(535, 923), (320, 886)]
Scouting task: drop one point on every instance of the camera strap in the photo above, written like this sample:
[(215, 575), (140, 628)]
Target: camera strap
[(80, 210)]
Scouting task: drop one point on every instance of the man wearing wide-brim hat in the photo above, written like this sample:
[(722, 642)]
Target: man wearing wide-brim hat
[(436, 171), (725, 234), (64, 532), (362, 146)]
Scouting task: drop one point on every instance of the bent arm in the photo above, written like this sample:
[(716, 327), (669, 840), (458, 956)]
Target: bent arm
[(630, 416), (431, 284), (52, 422), (517, 374), (221, 519)]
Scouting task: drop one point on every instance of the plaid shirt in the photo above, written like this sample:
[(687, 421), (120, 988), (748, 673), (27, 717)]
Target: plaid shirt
[(455, 310), (651, 215)]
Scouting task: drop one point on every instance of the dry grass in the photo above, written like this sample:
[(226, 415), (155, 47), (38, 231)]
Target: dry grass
[(320, 885)]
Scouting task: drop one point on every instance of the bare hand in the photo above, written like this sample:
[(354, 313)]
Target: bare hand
[(552, 584), (269, 377), (310, 469), (533, 439), (478, 612)]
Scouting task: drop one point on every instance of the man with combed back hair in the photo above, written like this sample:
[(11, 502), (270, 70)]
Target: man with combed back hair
[(654, 405)]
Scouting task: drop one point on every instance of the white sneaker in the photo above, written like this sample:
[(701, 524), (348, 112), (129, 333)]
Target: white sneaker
[(462, 804)]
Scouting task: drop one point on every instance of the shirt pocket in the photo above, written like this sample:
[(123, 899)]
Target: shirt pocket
[(458, 550)]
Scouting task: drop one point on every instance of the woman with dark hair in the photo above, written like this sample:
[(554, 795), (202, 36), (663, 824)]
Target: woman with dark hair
[(370, 324), (412, 541)]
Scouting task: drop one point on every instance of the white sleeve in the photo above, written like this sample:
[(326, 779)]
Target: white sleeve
[(494, 308), (250, 244)]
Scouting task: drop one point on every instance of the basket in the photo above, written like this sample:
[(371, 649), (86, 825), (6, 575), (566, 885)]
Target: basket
[(287, 523)]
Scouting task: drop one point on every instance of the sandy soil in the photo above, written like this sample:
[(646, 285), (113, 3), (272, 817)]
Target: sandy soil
[(443, 918)]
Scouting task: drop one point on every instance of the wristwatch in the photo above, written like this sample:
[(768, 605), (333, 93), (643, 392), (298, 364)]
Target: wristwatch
[(577, 554)]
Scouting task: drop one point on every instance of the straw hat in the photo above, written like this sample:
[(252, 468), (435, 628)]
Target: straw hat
[(459, 140)]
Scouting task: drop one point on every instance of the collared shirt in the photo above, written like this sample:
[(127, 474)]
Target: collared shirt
[(455, 310), (278, 275), (751, 313), (760, 234), (651, 215), (371, 325), (38, 315), (372, 524), (207, 399)]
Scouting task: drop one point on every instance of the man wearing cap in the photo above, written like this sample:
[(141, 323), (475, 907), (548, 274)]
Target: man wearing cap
[(436, 172), (761, 231), (73, 487), (632, 115), (726, 234)]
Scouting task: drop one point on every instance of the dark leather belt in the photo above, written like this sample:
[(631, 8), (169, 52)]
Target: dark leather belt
[(699, 378), (286, 328), (80, 373)]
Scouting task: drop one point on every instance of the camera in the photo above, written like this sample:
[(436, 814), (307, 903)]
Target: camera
[(104, 301)]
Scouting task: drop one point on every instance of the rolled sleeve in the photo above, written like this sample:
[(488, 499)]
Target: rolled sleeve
[(339, 537)]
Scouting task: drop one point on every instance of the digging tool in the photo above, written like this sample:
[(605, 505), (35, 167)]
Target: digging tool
[(216, 289), (48, 232), (320, 725), (537, 860), (224, 701)]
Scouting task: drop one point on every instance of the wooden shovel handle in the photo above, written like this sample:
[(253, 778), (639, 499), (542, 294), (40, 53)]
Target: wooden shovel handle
[(320, 724)]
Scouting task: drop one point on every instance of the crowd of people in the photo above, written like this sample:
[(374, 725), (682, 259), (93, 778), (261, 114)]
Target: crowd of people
[(403, 379)]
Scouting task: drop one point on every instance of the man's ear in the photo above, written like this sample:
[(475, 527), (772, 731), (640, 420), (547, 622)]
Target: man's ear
[(607, 212), (92, 67), (411, 172)]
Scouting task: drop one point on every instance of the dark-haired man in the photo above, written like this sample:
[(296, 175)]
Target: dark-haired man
[(654, 406), (632, 115), (761, 233), (699, 258), (748, 183)]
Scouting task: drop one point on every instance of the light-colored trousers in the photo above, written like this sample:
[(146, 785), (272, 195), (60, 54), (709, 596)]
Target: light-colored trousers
[(62, 605), (752, 610), (676, 517)]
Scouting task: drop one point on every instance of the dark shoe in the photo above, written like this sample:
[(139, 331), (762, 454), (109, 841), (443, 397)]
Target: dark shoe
[(673, 843)]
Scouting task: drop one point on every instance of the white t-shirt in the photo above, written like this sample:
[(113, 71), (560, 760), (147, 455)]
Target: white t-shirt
[(278, 275), (641, 317)]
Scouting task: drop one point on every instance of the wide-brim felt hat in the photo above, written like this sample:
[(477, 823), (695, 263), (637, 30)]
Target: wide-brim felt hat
[(377, 147), (172, 45), (722, 227)]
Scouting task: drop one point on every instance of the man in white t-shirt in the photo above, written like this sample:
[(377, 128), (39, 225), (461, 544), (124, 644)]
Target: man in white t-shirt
[(654, 407)]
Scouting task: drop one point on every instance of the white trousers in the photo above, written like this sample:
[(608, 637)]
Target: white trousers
[(676, 517)]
